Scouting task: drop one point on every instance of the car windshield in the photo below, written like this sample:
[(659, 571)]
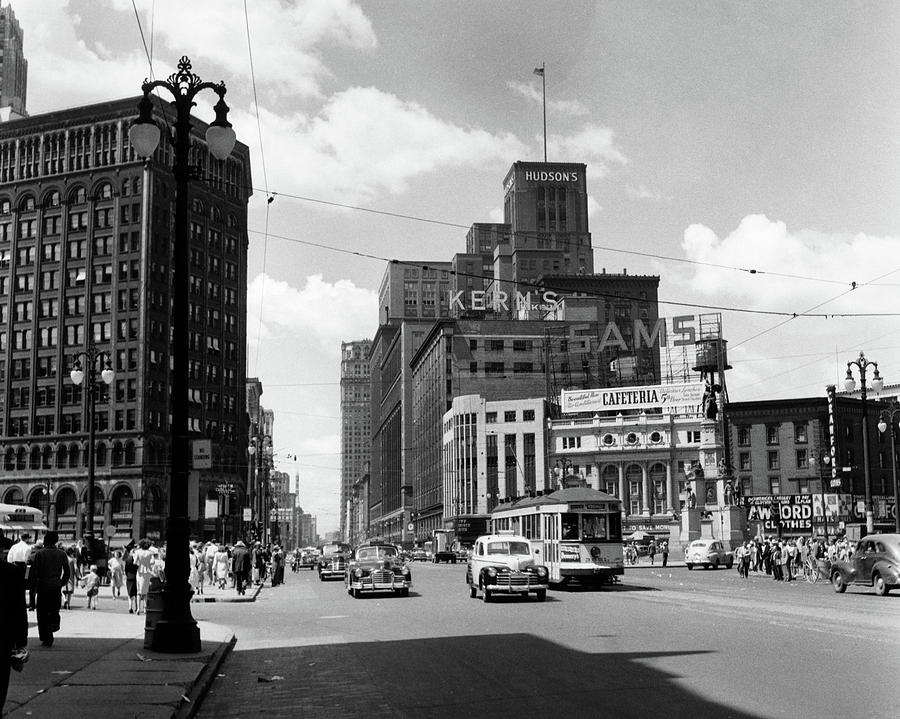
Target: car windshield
[(376, 553), (334, 548), (508, 548)]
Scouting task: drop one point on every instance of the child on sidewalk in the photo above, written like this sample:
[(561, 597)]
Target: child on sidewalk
[(91, 583)]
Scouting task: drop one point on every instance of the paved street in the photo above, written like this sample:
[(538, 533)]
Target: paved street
[(668, 643)]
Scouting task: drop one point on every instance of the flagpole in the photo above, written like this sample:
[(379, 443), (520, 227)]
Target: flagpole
[(544, 87)]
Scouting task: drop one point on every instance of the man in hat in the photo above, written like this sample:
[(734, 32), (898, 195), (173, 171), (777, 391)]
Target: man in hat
[(240, 558)]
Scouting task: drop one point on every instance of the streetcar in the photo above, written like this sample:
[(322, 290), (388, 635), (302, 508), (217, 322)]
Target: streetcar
[(576, 533)]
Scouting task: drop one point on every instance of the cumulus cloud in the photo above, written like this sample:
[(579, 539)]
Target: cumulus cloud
[(320, 312), (364, 142), (593, 145), (642, 192)]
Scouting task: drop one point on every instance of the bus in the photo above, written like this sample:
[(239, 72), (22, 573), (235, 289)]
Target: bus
[(576, 533)]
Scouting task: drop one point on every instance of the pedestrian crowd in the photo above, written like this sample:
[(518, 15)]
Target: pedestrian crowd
[(236, 566), (785, 559)]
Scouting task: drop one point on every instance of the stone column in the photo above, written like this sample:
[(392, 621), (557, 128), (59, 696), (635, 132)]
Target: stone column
[(621, 468), (646, 501), (671, 489)]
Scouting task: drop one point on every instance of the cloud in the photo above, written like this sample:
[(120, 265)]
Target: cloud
[(570, 108), (322, 312), (365, 142), (592, 144)]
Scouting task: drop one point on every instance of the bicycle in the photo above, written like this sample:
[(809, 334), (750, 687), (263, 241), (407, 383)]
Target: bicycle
[(816, 569)]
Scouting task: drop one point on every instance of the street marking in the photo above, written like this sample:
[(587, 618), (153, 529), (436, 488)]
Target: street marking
[(336, 616)]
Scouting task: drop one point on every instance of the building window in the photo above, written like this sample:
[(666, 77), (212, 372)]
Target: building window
[(495, 345), (744, 461), (528, 415), (509, 416), (490, 418), (801, 433), (743, 436), (803, 485), (771, 434), (774, 485), (493, 367), (802, 459), (693, 436), (571, 442), (773, 462)]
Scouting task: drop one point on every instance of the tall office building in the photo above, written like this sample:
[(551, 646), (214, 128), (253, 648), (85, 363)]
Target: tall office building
[(355, 421), (13, 67), (86, 262)]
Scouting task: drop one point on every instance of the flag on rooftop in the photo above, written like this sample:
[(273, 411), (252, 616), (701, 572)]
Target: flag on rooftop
[(539, 71)]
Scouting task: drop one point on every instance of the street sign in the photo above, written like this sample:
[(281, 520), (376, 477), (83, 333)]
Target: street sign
[(248, 514), (410, 526), (201, 451)]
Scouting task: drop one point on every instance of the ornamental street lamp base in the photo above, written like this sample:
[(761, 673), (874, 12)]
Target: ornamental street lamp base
[(176, 631)]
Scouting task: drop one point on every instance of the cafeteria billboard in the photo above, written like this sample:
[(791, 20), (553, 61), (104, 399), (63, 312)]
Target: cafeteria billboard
[(664, 396)]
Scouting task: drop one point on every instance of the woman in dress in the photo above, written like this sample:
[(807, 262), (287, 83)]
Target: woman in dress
[(143, 558), (220, 565), (130, 571), (116, 574), (74, 576)]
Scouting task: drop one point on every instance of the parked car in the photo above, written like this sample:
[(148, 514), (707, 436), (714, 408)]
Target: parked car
[(707, 553), (418, 555), (333, 562), (377, 568), (504, 564), (875, 563)]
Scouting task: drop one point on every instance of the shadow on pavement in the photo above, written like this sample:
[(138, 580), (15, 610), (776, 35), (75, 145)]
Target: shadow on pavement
[(444, 678)]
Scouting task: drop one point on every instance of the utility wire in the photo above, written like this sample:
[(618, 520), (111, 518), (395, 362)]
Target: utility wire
[(549, 286)]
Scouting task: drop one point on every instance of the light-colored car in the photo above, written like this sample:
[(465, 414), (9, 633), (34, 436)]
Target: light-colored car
[(504, 564), (707, 553), (875, 563)]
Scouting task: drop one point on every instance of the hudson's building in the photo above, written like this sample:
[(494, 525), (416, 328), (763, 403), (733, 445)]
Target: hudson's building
[(13, 67)]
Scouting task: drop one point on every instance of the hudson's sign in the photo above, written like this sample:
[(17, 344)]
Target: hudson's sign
[(646, 397)]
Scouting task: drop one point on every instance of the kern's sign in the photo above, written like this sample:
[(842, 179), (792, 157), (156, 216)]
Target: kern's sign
[(665, 396)]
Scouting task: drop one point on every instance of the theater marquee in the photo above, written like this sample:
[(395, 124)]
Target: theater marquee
[(665, 396)]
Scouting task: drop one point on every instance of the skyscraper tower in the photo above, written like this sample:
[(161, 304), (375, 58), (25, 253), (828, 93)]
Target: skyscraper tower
[(355, 420), (13, 66)]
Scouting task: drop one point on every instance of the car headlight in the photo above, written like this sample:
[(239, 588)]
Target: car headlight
[(542, 571), (491, 571), (406, 571), (358, 572)]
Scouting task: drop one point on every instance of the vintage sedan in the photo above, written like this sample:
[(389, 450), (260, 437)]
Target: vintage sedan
[(377, 568), (875, 563), (504, 564), (707, 553), (333, 561)]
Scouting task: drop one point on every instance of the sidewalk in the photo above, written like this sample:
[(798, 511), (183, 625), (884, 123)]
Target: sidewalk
[(98, 666)]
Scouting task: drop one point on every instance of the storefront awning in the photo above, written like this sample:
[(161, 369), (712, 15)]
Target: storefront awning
[(24, 527)]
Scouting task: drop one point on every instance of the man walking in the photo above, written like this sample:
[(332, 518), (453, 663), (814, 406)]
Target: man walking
[(20, 552), (50, 572), (664, 550), (240, 559), (14, 626)]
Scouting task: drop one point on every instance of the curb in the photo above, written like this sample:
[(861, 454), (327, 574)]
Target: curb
[(193, 697), (235, 599)]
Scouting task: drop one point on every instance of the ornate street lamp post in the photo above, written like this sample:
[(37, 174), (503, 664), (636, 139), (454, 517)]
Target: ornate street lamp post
[(888, 417), (176, 630), (850, 385), (91, 357)]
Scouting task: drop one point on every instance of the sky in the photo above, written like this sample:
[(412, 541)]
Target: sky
[(747, 153)]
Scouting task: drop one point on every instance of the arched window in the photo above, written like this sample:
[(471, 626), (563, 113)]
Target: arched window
[(117, 454), (52, 199), (47, 457), (9, 460), (634, 481), (62, 457), (21, 458), (74, 453), (14, 496), (65, 501), (104, 191), (38, 498), (130, 458), (5, 206), (121, 499), (658, 488), (26, 203), (100, 455), (153, 501), (609, 481), (77, 196)]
